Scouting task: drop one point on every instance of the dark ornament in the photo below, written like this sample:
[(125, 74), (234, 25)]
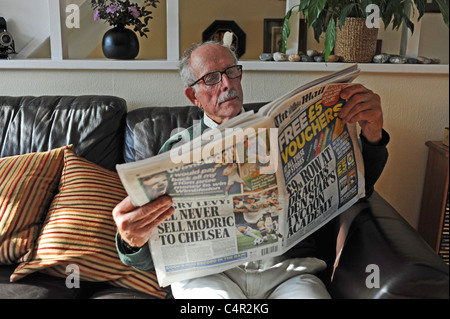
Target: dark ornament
[(120, 43)]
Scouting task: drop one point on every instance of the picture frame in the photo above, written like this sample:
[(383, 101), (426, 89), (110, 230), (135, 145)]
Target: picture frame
[(273, 29), (217, 29), (432, 7)]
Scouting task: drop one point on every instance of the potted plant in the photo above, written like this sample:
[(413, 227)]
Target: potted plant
[(120, 42), (332, 15)]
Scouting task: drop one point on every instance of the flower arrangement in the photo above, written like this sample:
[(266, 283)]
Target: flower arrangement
[(123, 12)]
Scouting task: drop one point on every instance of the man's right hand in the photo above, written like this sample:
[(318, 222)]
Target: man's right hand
[(135, 224)]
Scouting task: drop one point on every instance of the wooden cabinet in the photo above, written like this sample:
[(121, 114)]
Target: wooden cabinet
[(434, 212)]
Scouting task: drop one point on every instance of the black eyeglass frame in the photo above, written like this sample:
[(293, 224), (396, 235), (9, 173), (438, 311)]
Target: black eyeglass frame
[(221, 74)]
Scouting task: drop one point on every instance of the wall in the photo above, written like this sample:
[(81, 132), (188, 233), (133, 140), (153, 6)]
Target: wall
[(197, 15), (415, 109), (26, 21), (154, 46)]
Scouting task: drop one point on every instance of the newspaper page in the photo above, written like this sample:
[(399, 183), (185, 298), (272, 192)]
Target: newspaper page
[(226, 202), (322, 164), (245, 193)]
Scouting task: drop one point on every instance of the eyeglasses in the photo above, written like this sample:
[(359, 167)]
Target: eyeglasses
[(213, 78)]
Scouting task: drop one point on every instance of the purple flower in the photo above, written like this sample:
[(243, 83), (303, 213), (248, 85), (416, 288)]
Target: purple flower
[(134, 11), (124, 12), (96, 15), (112, 8)]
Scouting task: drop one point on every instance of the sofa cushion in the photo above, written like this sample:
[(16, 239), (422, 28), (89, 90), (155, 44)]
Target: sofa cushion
[(79, 231), (92, 123), (37, 286), (119, 293), (402, 263), (27, 185), (148, 128)]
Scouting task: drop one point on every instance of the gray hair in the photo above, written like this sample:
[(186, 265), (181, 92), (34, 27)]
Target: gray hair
[(186, 74)]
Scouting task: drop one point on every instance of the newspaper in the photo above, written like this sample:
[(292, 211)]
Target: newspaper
[(255, 187)]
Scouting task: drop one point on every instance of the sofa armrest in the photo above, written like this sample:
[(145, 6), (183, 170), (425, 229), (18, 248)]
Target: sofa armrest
[(399, 260)]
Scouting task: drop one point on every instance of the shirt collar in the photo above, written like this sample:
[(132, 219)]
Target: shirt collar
[(210, 122)]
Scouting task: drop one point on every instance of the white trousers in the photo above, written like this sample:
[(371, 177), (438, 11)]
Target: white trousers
[(274, 279)]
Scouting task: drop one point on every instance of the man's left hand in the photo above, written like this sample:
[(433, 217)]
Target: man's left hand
[(363, 106)]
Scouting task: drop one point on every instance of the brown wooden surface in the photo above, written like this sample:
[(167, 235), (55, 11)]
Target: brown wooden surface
[(434, 194)]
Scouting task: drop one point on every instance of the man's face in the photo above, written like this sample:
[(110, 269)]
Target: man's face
[(250, 200), (156, 186), (223, 100)]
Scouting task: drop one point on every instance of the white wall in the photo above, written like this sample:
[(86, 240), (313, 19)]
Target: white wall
[(27, 21)]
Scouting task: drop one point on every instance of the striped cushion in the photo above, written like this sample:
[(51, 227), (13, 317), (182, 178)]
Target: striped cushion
[(27, 185), (79, 229)]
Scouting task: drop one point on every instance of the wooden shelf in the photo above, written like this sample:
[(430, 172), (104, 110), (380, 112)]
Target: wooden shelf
[(58, 60), (434, 213), (105, 64)]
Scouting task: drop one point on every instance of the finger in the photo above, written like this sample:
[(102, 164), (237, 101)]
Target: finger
[(128, 218), (148, 210), (156, 217), (360, 102), (159, 219), (134, 214), (361, 115), (164, 215), (354, 94), (124, 206), (352, 89), (358, 112), (370, 120), (142, 235)]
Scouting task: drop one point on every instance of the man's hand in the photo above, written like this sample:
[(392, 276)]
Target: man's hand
[(135, 224), (363, 106)]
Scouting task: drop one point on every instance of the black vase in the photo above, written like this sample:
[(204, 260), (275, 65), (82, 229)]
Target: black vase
[(120, 43)]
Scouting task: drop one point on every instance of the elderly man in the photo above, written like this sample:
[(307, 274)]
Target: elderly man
[(213, 82)]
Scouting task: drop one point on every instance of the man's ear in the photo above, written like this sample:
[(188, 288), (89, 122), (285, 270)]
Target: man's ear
[(190, 94)]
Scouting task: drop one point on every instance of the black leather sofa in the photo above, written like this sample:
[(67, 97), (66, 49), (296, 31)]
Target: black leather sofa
[(375, 237)]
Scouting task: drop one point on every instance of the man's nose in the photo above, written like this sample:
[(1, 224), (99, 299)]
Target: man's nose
[(226, 82)]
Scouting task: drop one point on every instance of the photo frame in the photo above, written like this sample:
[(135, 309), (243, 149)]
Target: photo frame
[(273, 29), (432, 7), (217, 29)]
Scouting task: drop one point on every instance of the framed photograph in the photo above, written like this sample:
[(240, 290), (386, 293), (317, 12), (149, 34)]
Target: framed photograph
[(273, 29), (432, 6), (218, 28)]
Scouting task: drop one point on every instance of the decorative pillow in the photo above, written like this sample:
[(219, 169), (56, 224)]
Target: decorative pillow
[(27, 185), (79, 230)]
